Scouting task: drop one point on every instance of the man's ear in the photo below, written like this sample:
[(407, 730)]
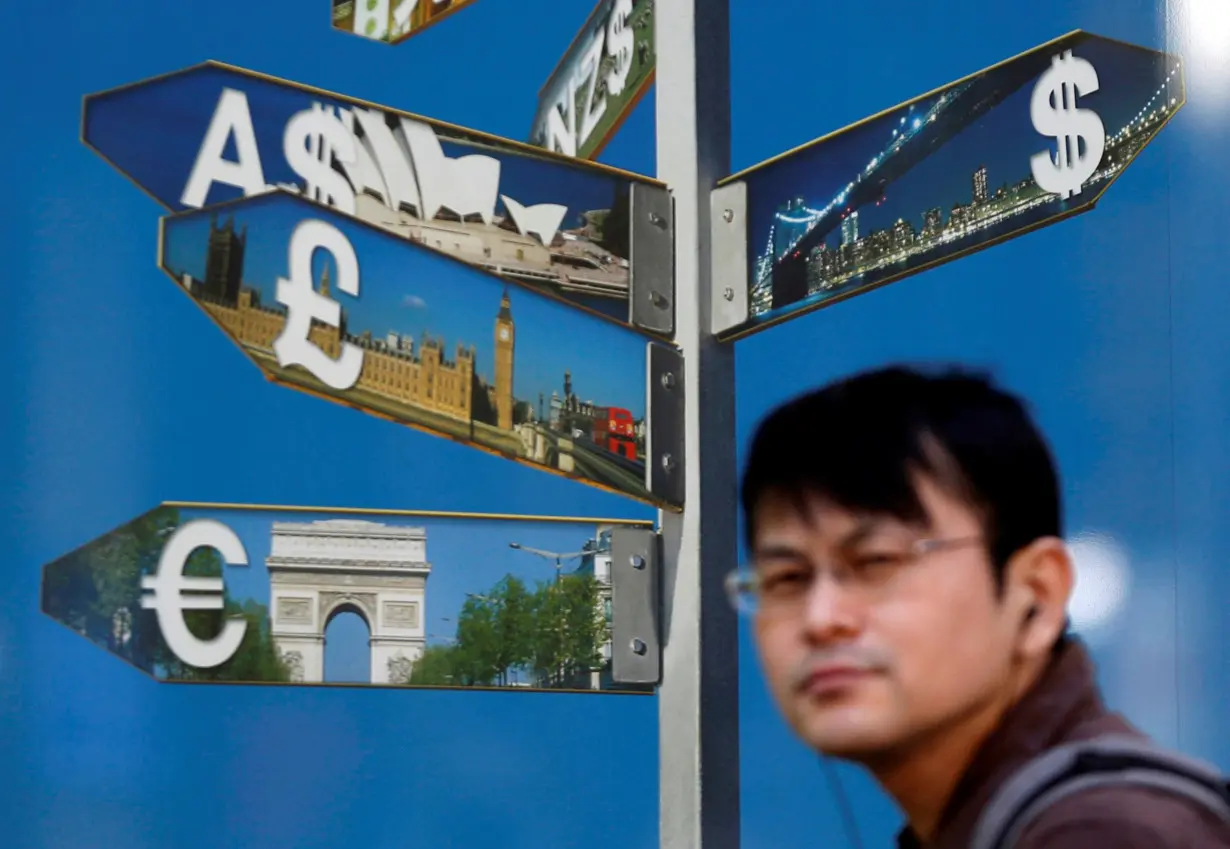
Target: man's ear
[(1038, 582)]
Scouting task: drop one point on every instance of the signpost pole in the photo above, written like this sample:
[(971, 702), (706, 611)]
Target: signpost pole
[(698, 705)]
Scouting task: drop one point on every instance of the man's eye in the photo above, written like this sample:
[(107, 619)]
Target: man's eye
[(876, 562), (783, 579), (872, 558)]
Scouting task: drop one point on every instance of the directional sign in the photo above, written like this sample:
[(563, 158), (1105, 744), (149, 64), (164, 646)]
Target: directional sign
[(597, 236), (229, 594), (1021, 145), (391, 21), (604, 73), (347, 311)]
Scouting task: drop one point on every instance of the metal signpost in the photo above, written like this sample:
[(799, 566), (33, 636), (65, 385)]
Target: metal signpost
[(698, 705), (337, 202)]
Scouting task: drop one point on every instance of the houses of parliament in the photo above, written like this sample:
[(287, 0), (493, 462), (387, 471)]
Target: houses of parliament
[(392, 368)]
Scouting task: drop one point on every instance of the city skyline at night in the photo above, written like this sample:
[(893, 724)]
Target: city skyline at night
[(927, 182)]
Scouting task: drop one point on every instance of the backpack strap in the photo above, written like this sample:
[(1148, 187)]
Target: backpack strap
[(1111, 760)]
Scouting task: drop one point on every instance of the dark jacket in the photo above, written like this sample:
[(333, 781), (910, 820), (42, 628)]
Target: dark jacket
[(1065, 705)]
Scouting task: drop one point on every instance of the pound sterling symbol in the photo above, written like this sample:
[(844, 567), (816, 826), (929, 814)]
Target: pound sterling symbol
[(169, 592), (1054, 112), (303, 304)]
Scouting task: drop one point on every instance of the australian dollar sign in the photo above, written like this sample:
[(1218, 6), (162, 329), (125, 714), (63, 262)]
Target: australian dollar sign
[(1053, 110), (620, 42), (312, 139)]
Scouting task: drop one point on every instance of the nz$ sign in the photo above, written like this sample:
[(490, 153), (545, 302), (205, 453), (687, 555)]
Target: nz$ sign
[(605, 71)]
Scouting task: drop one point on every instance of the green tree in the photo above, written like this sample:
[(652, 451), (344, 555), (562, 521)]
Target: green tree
[(91, 587), (514, 625), (495, 633), (257, 657), (88, 589), (569, 630), (436, 667), (584, 626), (478, 651)]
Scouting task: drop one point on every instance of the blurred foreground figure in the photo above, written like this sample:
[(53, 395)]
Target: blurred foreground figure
[(908, 587)]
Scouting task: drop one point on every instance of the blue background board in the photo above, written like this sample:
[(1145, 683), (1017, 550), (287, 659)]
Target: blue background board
[(1112, 325)]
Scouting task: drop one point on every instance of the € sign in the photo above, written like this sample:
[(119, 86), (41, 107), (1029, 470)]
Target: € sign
[(169, 592)]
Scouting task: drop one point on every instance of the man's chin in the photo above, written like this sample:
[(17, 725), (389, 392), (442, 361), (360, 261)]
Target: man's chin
[(846, 734)]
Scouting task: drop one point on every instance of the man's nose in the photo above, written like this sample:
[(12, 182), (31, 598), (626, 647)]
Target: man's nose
[(831, 609)]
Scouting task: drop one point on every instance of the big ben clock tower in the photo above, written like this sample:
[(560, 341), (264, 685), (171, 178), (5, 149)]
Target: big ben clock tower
[(505, 337)]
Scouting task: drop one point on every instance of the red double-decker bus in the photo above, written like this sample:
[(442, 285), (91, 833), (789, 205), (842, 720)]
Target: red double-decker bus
[(615, 430)]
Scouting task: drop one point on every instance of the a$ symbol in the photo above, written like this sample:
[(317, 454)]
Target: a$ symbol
[(1054, 112), (620, 42), (303, 303), (311, 140), (169, 592)]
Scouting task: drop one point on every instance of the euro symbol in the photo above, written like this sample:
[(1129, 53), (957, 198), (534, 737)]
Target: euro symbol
[(169, 592)]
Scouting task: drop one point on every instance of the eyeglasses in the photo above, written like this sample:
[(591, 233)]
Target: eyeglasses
[(781, 587)]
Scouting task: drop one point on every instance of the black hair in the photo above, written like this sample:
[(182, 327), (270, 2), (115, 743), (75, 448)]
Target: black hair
[(858, 442)]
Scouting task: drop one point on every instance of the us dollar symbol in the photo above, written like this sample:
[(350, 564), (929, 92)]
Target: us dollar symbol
[(1054, 112), (311, 140), (620, 42)]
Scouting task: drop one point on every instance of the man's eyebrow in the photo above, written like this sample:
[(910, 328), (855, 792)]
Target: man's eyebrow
[(864, 529), (778, 549), (867, 527)]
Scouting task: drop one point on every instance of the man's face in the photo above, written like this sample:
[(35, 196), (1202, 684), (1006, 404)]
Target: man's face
[(867, 646)]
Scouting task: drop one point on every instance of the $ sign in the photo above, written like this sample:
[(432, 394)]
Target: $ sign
[(1054, 112), (580, 99), (620, 42)]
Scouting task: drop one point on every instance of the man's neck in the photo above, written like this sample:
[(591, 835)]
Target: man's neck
[(923, 777)]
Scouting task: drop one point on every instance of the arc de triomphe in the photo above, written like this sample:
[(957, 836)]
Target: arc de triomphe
[(320, 569)]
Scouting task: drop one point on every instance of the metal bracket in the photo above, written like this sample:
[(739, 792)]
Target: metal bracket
[(664, 413), (636, 648), (651, 259), (729, 276)]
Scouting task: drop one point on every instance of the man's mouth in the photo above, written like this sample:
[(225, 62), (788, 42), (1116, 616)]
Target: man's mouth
[(829, 680)]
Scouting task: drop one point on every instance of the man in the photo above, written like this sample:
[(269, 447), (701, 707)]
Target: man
[(909, 585)]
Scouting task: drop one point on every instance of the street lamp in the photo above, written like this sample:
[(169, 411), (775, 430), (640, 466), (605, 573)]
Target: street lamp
[(558, 557)]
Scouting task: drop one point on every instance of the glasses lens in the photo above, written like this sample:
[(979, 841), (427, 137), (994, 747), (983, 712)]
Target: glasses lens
[(741, 590)]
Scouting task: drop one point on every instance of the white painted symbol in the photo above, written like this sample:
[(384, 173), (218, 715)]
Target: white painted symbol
[(303, 304), (1054, 112), (169, 592), (620, 42), (311, 140), (340, 153)]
